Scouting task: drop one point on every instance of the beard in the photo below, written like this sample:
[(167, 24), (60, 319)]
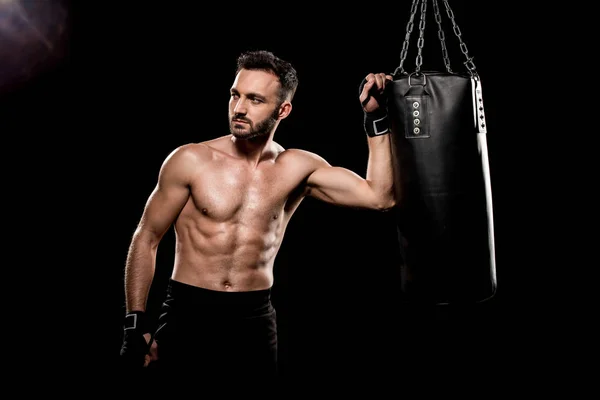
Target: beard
[(251, 130)]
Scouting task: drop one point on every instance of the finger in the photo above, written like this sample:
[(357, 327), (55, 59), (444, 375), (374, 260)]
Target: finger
[(371, 79), (154, 351), (147, 336), (377, 82), (387, 79), (383, 80), (365, 95)]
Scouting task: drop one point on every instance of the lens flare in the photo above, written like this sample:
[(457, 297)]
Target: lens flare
[(33, 37)]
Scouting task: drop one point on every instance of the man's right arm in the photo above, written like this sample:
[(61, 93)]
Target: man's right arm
[(161, 209)]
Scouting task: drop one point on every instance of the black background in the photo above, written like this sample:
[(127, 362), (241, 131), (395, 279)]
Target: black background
[(126, 83)]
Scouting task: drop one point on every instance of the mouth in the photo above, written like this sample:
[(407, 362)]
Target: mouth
[(239, 121)]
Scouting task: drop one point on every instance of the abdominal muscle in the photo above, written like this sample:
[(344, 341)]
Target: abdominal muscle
[(232, 255)]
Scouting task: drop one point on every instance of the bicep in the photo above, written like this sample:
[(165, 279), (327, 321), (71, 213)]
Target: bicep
[(338, 185), (163, 206), (170, 194)]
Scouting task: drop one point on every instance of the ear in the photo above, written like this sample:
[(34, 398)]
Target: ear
[(285, 109)]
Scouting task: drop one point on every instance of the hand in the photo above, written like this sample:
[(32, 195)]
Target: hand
[(372, 93), (153, 352), (136, 339)]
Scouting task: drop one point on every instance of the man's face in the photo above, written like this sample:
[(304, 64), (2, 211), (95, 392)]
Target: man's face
[(254, 104)]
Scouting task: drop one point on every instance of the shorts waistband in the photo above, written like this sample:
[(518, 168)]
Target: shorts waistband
[(198, 295)]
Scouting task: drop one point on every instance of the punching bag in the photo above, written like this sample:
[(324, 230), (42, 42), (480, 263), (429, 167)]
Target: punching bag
[(444, 215)]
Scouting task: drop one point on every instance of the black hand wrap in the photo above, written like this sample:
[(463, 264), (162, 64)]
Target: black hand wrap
[(135, 347), (376, 122)]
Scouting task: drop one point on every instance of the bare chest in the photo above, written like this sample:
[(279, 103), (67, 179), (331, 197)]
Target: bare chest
[(226, 193)]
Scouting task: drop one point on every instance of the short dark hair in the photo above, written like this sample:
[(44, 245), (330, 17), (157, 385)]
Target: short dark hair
[(264, 60)]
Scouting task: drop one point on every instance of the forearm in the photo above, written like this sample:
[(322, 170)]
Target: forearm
[(139, 273), (380, 171)]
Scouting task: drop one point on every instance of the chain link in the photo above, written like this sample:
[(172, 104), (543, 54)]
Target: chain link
[(463, 47), (421, 40), (441, 36), (469, 64), (409, 28)]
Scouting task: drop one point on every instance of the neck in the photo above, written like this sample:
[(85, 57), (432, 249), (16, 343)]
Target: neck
[(255, 149)]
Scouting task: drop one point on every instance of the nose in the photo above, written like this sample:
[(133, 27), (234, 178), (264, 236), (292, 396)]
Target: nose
[(240, 107)]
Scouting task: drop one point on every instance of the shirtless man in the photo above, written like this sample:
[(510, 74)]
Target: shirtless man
[(230, 200)]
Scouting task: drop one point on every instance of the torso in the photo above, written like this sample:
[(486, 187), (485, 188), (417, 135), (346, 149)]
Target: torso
[(232, 226)]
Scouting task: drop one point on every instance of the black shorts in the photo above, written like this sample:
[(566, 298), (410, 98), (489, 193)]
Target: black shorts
[(217, 334)]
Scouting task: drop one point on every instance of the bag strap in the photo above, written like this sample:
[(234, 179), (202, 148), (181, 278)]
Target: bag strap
[(469, 64)]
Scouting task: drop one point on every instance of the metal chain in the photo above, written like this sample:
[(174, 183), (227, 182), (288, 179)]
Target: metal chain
[(409, 28), (463, 47), (421, 40), (469, 64), (441, 36)]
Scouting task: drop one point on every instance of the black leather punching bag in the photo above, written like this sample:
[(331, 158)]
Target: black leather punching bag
[(444, 216)]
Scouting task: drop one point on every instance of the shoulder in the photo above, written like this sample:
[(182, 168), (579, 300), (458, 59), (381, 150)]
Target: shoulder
[(186, 159), (199, 152), (303, 157)]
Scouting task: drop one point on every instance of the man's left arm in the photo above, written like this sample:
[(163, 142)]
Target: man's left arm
[(341, 186)]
